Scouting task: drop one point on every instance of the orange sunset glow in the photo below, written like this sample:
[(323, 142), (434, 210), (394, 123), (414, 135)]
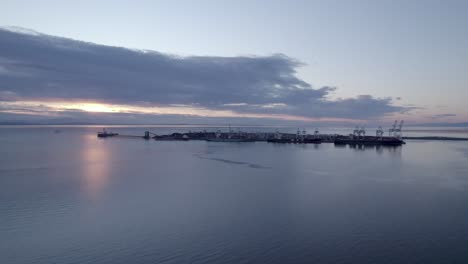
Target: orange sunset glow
[(54, 107)]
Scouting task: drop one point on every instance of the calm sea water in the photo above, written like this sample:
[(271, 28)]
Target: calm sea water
[(68, 197)]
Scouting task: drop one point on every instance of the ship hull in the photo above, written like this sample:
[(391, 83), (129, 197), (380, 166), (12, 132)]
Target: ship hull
[(370, 141)]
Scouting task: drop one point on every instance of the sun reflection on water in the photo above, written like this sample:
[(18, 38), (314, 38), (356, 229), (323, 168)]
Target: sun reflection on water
[(96, 165)]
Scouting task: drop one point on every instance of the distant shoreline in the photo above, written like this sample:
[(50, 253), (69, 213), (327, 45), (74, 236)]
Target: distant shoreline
[(437, 138)]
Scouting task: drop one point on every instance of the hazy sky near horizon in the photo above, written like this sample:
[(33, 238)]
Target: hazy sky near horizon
[(413, 50)]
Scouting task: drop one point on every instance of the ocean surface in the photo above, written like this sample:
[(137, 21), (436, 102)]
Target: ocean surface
[(67, 196)]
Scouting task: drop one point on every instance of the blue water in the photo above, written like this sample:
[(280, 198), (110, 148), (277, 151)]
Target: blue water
[(68, 197)]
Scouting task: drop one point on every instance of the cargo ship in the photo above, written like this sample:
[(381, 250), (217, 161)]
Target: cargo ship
[(384, 141)]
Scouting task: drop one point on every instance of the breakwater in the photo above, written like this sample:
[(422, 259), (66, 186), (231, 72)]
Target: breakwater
[(301, 137)]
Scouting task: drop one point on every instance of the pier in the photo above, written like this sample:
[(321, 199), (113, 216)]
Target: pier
[(358, 137)]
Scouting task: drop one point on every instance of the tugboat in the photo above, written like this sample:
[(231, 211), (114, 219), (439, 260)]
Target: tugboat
[(104, 133)]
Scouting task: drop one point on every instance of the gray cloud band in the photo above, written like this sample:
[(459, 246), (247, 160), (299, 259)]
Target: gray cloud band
[(38, 66)]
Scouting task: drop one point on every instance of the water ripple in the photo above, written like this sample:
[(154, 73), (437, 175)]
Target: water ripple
[(251, 165)]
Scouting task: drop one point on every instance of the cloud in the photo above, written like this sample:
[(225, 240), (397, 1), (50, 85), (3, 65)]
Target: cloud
[(8, 96), (439, 116), (42, 67)]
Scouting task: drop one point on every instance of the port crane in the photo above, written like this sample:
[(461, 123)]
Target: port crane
[(392, 130), (396, 130), (147, 135), (359, 131), (379, 133), (278, 135), (362, 131), (356, 132), (300, 136)]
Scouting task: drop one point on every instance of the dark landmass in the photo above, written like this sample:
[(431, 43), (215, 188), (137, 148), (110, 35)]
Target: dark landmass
[(438, 138)]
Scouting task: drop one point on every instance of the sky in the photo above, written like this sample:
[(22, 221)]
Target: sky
[(233, 61)]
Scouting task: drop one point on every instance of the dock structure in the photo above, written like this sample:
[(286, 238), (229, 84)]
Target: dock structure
[(301, 137), (358, 137)]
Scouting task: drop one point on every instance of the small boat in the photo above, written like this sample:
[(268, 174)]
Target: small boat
[(104, 133)]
